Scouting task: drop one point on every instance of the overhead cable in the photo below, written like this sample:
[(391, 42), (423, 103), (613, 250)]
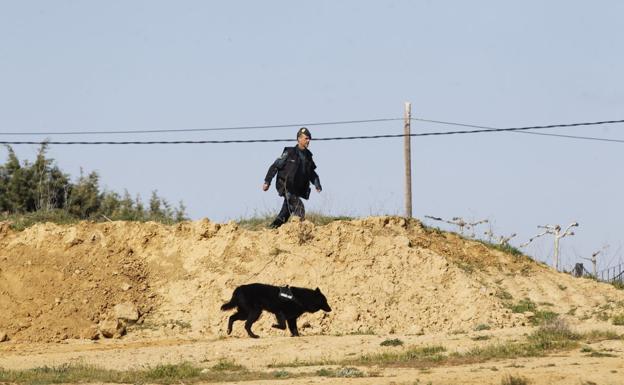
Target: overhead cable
[(520, 131), (485, 128), (202, 129), (482, 130)]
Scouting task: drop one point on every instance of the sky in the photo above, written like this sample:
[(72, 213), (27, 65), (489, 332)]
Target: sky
[(84, 66)]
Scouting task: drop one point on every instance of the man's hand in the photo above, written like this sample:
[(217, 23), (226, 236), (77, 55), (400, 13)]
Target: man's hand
[(318, 190), (265, 187)]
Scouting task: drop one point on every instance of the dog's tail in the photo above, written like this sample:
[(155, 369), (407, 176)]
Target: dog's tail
[(230, 305)]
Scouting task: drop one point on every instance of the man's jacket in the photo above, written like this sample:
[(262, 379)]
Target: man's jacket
[(295, 171)]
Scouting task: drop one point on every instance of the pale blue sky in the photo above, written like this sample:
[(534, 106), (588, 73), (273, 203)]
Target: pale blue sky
[(141, 65)]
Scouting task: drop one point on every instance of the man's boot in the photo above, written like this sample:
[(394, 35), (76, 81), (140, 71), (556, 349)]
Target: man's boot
[(276, 223)]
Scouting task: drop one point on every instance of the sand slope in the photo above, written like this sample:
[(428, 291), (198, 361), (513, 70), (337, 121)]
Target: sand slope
[(380, 274)]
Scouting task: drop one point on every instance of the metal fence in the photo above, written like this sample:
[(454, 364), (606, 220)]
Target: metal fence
[(610, 274)]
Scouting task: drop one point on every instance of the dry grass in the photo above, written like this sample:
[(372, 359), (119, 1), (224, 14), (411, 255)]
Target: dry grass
[(262, 221), (513, 380), (224, 371), (553, 336)]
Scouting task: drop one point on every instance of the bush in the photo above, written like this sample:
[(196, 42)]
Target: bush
[(554, 334), (523, 306), (392, 342)]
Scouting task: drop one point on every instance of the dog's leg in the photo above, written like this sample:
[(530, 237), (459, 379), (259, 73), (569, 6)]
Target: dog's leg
[(281, 322), (238, 316), (292, 326), (251, 318)]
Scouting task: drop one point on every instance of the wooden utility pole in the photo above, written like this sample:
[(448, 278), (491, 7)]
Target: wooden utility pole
[(408, 160)]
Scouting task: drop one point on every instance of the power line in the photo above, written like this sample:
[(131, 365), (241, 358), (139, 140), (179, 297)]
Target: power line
[(518, 130), (342, 122), (482, 130), (574, 137)]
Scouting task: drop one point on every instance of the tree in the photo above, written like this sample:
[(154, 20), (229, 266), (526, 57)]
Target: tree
[(42, 186), (48, 182), (84, 198), (19, 185)]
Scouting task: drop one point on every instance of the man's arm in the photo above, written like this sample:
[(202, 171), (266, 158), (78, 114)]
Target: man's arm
[(314, 178), (276, 166), (317, 183)]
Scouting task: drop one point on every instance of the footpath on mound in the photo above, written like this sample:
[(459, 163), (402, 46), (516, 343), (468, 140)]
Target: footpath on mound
[(381, 275)]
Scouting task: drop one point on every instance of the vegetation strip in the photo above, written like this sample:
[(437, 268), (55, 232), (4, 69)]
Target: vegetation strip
[(161, 374), (551, 337), (224, 371)]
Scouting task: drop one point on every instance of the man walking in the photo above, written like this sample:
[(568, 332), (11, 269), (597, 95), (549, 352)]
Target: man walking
[(295, 171)]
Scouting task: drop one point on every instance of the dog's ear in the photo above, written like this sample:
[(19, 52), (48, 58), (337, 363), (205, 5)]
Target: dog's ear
[(318, 290)]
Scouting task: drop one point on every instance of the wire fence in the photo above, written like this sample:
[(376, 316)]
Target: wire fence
[(611, 274)]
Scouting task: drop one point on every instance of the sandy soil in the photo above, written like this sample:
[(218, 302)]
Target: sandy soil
[(385, 277)]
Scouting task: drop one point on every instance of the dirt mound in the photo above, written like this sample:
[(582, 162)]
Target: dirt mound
[(58, 282), (382, 275)]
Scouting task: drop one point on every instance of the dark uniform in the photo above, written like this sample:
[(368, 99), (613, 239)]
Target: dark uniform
[(295, 171)]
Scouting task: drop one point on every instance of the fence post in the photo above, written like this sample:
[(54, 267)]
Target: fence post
[(408, 159)]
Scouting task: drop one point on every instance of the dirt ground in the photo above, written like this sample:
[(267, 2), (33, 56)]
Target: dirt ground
[(385, 277)]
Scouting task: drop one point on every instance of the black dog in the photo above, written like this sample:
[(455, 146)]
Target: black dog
[(287, 303)]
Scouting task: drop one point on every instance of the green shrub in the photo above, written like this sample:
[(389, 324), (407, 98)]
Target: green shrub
[(392, 342), (618, 319), (523, 306), (542, 316), (554, 334)]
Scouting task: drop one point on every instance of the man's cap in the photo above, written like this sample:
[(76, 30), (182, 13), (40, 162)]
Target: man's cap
[(304, 131)]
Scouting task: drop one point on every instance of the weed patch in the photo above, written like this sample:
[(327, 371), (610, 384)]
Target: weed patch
[(392, 342), (513, 380), (523, 306), (542, 316), (227, 365), (347, 372), (503, 294), (162, 374)]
